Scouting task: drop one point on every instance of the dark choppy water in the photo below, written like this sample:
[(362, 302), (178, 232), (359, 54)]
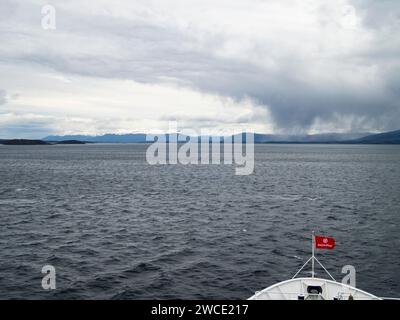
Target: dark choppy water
[(115, 227)]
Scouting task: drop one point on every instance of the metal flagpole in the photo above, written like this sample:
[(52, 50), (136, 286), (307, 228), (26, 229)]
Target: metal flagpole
[(302, 268), (312, 257)]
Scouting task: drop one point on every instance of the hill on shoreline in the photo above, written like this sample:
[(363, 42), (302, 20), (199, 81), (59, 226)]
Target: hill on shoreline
[(392, 137), (30, 142)]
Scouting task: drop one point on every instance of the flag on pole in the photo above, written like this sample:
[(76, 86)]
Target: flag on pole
[(324, 242)]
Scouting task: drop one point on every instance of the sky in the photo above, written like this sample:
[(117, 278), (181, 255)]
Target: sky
[(269, 66)]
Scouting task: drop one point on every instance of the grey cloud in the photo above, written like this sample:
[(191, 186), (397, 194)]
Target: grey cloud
[(384, 14), (3, 99), (21, 126), (24, 130), (109, 46)]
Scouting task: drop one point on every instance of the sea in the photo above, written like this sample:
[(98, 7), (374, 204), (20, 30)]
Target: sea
[(113, 226)]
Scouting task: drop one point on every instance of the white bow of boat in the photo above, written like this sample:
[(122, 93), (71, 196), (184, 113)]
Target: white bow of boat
[(313, 288)]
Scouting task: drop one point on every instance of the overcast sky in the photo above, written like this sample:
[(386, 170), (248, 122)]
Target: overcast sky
[(280, 66)]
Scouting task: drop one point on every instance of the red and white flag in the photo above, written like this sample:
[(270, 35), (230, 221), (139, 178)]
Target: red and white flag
[(324, 242)]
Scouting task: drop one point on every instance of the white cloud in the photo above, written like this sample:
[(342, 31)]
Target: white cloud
[(89, 105)]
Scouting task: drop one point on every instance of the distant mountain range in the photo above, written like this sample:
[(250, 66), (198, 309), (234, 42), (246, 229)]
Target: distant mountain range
[(106, 138), (309, 138), (392, 137), (258, 138)]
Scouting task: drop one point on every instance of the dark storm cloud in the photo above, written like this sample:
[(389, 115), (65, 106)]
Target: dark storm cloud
[(304, 80)]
